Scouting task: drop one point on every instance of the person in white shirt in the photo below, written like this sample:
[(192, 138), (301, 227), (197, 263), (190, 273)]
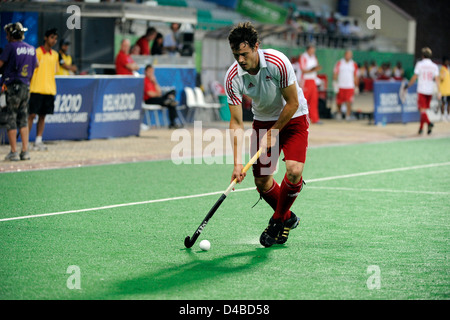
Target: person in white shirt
[(280, 124), (345, 73), (309, 66), (427, 74), (171, 43)]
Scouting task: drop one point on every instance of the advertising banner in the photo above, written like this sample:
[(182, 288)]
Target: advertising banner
[(388, 108), (73, 106), (117, 107)]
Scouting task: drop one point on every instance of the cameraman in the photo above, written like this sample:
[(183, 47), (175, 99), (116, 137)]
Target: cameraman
[(19, 61)]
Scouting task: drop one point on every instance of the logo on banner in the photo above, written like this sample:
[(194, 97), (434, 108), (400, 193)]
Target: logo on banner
[(118, 107), (67, 109)]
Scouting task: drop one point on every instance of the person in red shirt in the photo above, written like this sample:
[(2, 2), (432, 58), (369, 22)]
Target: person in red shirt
[(125, 65), (144, 41), (153, 95)]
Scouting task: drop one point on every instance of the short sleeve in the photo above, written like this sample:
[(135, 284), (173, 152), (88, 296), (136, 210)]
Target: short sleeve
[(234, 95)]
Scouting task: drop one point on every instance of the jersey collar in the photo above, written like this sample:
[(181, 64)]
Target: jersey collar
[(45, 51)]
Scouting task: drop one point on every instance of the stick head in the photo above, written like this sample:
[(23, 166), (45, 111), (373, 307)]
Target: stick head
[(187, 242)]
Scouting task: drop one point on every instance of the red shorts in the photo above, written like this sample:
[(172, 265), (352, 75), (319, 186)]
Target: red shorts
[(292, 140), (423, 101), (345, 95)]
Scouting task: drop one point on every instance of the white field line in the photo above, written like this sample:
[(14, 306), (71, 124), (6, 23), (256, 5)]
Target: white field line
[(352, 175), (380, 190)]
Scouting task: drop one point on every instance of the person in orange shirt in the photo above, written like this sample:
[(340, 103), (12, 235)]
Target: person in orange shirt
[(309, 66)]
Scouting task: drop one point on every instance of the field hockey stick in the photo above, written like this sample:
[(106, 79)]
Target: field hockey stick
[(189, 241), (403, 90)]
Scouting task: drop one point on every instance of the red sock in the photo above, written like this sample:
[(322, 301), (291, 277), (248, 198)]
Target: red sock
[(423, 119), (271, 196), (288, 194)]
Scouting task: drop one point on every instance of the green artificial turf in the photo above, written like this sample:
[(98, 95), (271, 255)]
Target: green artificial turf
[(397, 221)]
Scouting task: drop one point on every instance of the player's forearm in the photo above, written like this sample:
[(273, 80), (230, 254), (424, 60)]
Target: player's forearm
[(286, 115), (412, 81), (236, 133)]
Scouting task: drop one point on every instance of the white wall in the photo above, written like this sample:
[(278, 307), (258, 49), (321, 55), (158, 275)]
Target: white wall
[(395, 25)]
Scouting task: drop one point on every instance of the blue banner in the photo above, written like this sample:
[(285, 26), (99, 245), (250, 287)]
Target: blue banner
[(388, 108), (117, 107), (410, 111), (73, 106)]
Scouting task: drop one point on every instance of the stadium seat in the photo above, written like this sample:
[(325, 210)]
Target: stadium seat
[(191, 103), (154, 108), (203, 104)]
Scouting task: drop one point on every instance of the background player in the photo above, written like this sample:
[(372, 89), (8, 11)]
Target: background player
[(345, 73), (309, 65), (280, 123), (427, 74)]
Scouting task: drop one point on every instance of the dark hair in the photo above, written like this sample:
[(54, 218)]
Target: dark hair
[(243, 33), (52, 31), (148, 66), (150, 31)]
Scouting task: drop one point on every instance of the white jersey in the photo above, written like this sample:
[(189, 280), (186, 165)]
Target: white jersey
[(346, 71), (426, 71), (275, 73), (308, 62)]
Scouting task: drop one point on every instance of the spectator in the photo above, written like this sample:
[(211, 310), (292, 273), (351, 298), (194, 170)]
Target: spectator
[(171, 41), (385, 72), (344, 28), (18, 70), (309, 67), (43, 86), (65, 60), (144, 42), (135, 50), (398, 71), (364, 77), (373, 70), (444, 87), (346, 74), (157, 47), (355, 30), (153, 95), (125, 64), (332, 24)]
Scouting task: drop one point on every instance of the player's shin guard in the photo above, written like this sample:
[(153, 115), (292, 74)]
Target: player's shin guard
[(288, 194)]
